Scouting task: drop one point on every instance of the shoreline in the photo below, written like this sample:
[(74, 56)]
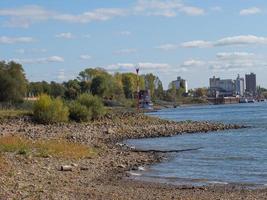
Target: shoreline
[(107, 173)]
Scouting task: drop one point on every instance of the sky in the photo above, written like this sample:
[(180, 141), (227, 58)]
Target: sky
[(54, 40)]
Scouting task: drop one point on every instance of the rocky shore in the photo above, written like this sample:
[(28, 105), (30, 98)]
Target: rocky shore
[(102, 176)]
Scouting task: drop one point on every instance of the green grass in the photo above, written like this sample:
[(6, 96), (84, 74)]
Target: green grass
[(45, 148)]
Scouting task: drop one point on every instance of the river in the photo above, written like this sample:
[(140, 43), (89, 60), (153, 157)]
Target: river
[(232, 156)]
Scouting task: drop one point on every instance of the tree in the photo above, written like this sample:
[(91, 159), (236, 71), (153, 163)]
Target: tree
[(129, 81), (159, 92), (200, 92), (57, 89), (85, 86), (154, 85), (13, 84), (73, 89), (35, 88), (89, 74), (100, 86), (118, 86), (150, 83), (128, 85)]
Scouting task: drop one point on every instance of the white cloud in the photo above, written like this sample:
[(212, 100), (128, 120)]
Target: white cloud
[(24, 51), (66, 35), (125, 51), (216, 8), (229, 61), (250, 11), (27, 15), (227, 41), (196, 44), (193, 11), (13, 40), (234, 55), (85, 57), (144, 66), (61, 75), (167, 47), (88, 36), (20, 51), (39, 60), (170, 8), (55, 59), (193, 63), (120, 67), (101, 14), (148, 65), (241, 40), (124, 33), (24, 16)]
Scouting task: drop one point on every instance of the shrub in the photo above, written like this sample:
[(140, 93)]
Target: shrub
[(79, 112), (93, 103), (86, 108), (48, 110)]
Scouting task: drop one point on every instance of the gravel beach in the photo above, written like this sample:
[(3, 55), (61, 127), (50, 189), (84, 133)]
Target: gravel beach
[(105, 175)]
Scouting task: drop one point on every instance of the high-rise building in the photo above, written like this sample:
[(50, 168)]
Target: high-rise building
[(251, 86), (240, 86)]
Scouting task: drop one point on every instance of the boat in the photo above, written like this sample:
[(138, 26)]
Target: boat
[(243, 100), (251, 101)]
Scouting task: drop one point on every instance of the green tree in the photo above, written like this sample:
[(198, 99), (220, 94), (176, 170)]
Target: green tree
[(73, 89), (130, 81), (118, 86), (57, 89), (154, 85), (100, 86), (13, 84), (200, 92), (150, 83), (159, 92), (88, 74)]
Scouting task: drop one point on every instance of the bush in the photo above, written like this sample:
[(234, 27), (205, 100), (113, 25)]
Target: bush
[(86, 108), (93, 103), (79, 112), (48, 110)]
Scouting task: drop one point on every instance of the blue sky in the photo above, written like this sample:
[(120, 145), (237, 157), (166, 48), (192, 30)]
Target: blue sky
[(189, 38)]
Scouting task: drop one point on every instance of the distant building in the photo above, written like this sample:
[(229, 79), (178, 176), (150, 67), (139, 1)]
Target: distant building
[(180, 83), (251, 86), (221, 87), (240, 86)]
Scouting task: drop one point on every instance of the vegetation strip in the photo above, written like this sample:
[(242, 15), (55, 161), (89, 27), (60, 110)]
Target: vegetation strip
[(45, 148)]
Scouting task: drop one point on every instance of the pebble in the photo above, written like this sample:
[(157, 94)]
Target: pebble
[(66, 168), (84, 168)]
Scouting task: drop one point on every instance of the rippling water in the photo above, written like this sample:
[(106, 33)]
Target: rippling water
[(233, 156)]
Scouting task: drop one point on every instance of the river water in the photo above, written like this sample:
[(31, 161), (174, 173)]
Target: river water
[(232, 156)]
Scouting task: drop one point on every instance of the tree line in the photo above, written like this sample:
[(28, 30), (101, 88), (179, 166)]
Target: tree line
[(14, 86), (99, 82)]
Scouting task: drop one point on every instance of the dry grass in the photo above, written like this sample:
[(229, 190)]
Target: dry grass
[(2, 162), (14, 144), (62, 148), (45, 148), (8, 113)]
